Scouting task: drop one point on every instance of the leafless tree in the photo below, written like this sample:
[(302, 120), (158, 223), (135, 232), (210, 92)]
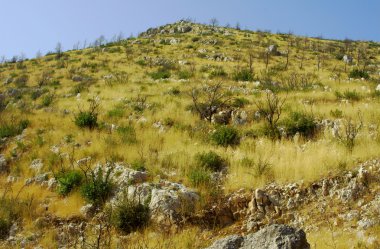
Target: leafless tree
[(208, 99), (350, 132), (271, 109), (214, 22)]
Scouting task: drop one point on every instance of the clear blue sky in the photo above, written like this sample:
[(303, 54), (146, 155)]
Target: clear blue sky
[(27, 26)]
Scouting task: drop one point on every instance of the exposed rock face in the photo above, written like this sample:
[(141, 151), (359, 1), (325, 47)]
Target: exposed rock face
[(271, 237), (3, 164)]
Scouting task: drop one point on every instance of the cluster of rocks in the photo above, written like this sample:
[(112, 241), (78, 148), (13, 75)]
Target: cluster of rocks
[(169, 203), (176, 28), (218, 57), (236, 117), (158, 61), (279, 204), (271, 237)]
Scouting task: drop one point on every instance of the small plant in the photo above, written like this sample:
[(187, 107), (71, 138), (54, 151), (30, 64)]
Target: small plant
[(336, 113), (240, 102), (358, 74), (351, 130), (127, 134), (89, 118), (138, 165), (47, 100), (117, 112), (348, 95), (130, 216), (68, 180), (302, 123), (243, 75), (184, 75), (210, 160), (4, 228), (199, 176), (225, 136), (161, 73), (262, 168), (218, 72), (98, 186), (13, 129)]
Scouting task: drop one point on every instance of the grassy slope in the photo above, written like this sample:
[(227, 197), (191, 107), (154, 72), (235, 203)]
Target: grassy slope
[(174, 149)]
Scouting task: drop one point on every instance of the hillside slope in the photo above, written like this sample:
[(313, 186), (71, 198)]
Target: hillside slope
[(178, 120)]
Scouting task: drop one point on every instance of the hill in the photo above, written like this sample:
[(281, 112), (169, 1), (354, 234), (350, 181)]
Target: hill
[(151, 134)]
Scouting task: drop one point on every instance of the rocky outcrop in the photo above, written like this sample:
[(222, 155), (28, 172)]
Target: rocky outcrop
[(271, 237), (3, 164)]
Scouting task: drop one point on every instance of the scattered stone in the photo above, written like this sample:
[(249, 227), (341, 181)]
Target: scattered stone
[(3, 164), (36, 165)]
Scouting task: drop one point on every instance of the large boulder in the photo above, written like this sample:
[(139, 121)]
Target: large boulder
[(271, 237)]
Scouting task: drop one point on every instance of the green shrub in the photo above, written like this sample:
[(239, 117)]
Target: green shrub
[(127, 134), (138, 165), (336, 113), (117, 112), (160, 74), (98, 187), (300, 122), (225, 136), (13, 129), (130, 216), (86, 119), (243, 75), (47, 100), (218, 72), (68, 180), (199, 176), (358, 74), (349, 95), (240, 102), (184, 75), (210, 160), (5, 226)]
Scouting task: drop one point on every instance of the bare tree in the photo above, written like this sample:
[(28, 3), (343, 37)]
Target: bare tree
[(350, 132), (208, 99), (214, 22), (271, 109)]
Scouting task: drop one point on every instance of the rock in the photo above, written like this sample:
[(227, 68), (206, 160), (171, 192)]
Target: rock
[(347, 59), (87, 210), (41, 178), (378, 88), (3, 164), (239, 117), (271, 237), (52, 184), (272, 49), (170, 204), (36, 165), (230, 242)]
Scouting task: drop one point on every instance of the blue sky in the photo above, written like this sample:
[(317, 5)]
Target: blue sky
[(27, 26)]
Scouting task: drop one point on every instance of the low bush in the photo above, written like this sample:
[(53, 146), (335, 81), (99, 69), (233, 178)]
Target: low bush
[(5, 226), (184, 75), (68, 180), (225, 136), (13, 129), (130, 216), (240, 102), (358, 74), (243, 75), (127, 134), (47, 100), (98, 187), (348, 95), (86, 119), (218, 72), (210, 160), (160, 74), (199, 176), (302, 123)]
